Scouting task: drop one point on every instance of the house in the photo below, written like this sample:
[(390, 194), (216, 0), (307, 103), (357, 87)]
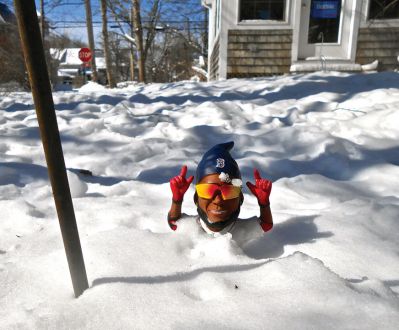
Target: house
[(250, 38), (70, 66)]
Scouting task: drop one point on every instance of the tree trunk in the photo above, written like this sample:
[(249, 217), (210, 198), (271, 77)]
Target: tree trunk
[(90, 37), (138, 29), (131, 45), (107, 53), (52, 70)]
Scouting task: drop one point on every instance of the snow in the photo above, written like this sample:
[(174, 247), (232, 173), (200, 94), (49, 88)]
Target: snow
[(92, 87), (370, 66), (328, 141)]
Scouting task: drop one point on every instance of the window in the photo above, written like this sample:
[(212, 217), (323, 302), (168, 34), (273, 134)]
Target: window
[(262, 10), (384, 9), (324, 21)]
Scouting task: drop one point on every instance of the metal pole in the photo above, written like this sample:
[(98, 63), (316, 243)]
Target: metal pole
[(84, 73), (40, 83)]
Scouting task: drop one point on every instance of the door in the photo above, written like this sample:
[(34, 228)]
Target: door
[(323, 27)]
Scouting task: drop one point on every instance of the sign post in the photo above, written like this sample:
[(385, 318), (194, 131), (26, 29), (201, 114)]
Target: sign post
[(32, 45), (85, 56)]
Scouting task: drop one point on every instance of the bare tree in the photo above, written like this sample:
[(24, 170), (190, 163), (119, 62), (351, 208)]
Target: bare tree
[(158, 26), (132, 45), (120, 52), (183, 40), (11, 57), (144, 33), (62, 41), (12, 62), (46, 6), (107, 54), (138, 30)]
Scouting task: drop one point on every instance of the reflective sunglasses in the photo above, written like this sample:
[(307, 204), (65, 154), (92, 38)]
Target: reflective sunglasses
[(207, 190)]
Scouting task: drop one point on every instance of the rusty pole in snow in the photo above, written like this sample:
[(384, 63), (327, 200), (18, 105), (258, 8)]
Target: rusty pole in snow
[(41, 89)]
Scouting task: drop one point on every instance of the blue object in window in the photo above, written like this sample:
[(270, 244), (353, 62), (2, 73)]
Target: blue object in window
[(263, 14), (324, 9)]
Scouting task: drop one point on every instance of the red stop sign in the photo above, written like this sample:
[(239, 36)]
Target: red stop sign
[(85, 54)]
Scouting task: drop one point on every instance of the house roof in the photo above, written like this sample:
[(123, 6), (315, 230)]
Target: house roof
[(70, 57)]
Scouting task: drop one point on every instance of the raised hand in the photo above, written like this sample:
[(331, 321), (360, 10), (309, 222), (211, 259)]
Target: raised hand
[(179, 184), (261, 189)]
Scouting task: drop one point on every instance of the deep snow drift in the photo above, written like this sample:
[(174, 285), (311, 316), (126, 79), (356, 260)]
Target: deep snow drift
[(328, 141)]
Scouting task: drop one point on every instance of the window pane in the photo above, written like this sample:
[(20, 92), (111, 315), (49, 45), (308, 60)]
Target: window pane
[(325, 17), (384, 9), (247, 9), (262, 9)]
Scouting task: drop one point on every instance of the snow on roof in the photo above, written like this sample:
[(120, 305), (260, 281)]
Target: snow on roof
[(67, 72), (70, 57), (57, 54), (100, 62)]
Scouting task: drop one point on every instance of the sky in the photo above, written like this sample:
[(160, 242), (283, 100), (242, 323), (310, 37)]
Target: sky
[(329, 143), (70, 17)]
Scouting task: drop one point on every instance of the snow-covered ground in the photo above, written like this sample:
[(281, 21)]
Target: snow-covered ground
[(330, 144)]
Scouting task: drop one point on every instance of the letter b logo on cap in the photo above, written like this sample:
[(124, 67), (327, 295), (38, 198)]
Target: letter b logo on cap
[(220, 162)]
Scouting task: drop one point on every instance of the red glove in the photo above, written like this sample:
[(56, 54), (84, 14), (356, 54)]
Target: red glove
[(179, 184), (261, 189), (266, 226)]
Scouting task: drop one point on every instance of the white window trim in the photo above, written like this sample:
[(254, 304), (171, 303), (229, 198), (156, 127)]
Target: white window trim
[(376, 23), (264, 22)]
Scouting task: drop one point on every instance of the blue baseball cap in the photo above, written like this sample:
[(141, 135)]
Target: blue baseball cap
[(218, 160)]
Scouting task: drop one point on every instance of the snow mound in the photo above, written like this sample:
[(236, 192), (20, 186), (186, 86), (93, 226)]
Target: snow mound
[(91, 87), (77, 186)]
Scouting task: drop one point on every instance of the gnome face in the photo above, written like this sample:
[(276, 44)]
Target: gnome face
[(217, 209), (218, 206)]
